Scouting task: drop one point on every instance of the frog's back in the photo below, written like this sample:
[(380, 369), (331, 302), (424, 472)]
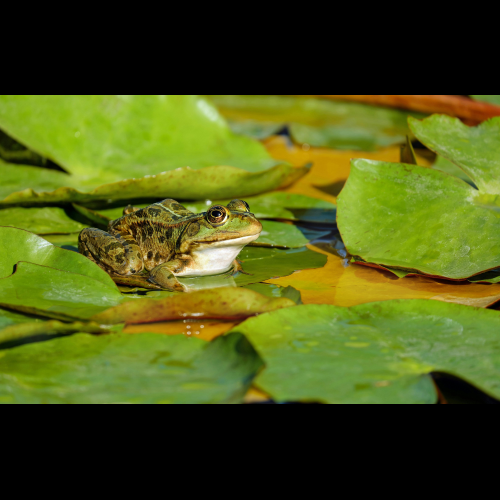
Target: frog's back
[(156, 229)]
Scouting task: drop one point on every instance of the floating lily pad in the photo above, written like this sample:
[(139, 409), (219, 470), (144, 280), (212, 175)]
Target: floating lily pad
[(476, 150), (363, 354), (142, 368), (416, 218), (127, 136), (18, 245), (279, 205), (450, 168), (8, 318), (182, 183), (43, 220), (316, 122), (222, 303), (57, 294), (23, 331)]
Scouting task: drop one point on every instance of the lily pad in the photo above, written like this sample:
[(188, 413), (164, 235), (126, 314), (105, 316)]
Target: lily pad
[(222, 303), (279, 205), (182, 183), (450, 168), (397, 215), (143, 134), (44, 329), (474, 149), (362, 355), (18, 245), (316, 122), (142, 368), (57, 294), (43, 220)]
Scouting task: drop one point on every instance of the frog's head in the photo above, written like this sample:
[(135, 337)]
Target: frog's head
[(230, 226)]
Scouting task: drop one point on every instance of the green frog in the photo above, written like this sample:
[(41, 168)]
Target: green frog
[(166, 240)]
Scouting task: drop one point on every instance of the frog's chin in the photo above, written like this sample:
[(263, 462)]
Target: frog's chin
[(215, 257)]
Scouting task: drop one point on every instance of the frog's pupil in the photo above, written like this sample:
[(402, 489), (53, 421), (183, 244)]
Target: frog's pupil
[(216, 213)]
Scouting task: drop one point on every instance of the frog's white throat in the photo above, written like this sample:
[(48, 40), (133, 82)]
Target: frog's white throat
[(216, 257)]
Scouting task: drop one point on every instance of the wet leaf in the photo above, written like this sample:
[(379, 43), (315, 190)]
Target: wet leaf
[(57, 294), (43, 220), (362, 355), (45, 329), (221, 303), (144, 134), (396, 215), (18, 245), (474, 149), (450, 168), (144, 368), (182, 183), (8, 318), (315, 122), (345, 284)]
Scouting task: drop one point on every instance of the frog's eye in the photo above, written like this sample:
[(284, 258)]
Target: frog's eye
[(217, 215), (238, 206)]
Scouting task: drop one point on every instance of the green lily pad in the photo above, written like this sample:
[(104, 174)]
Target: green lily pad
[(493, 99), (43, 220), (474, 149), (26, 179), (279, 205), (317, 122), (8, 318), (57, 294), (182, 183), (23, 331), (143, 134), (397, 215), (18, 245), (270, 290), (363, 354), (141, 368)]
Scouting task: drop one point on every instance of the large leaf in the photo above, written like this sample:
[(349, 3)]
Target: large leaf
[(416, 218), (127, 136), (43, 220), (23, 331), (316, 122), (364, 355), (223, 303), (18, 245), (144, 368), (182, 183), (54, 293), (476, 150)]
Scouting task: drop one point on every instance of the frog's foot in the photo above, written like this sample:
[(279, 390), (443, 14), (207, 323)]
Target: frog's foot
[(163, 276), (137, 281), (238, 269)]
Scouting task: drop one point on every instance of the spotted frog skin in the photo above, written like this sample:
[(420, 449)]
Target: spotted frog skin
[(166, 240)]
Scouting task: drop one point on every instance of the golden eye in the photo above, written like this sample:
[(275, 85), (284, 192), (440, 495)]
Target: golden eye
[(217, 215)]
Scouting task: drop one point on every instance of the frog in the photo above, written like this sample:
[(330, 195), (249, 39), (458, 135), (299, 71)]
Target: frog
[(166, 240)]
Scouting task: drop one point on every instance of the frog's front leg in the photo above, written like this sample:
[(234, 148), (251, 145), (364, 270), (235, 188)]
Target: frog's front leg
[(238, 269), (114, 253), (163, 275)]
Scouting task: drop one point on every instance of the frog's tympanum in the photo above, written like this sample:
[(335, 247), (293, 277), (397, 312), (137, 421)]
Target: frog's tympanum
[(167, 240)]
